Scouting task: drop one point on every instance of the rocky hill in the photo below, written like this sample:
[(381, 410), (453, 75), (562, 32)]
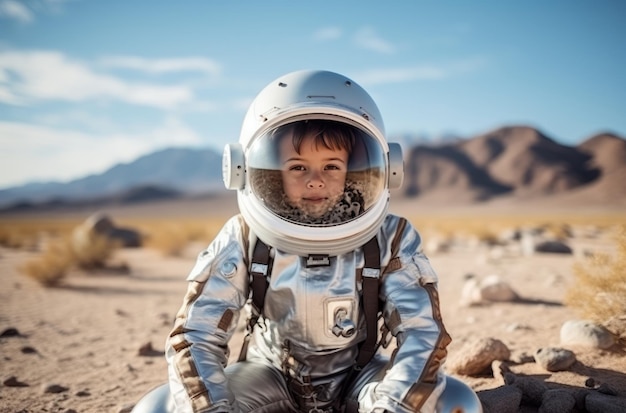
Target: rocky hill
[(517, 162)]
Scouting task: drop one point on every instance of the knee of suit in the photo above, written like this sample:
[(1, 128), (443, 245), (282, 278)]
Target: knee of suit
[(458, 397)]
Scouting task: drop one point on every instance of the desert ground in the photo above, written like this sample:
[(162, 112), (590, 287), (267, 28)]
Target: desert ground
[(95, 343)]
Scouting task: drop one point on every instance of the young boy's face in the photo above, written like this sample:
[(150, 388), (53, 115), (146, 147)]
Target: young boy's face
[(313, 179)]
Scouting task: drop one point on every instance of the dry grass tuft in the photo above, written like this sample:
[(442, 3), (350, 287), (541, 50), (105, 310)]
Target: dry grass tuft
[(599, 291), (51, 267), (84, 250)]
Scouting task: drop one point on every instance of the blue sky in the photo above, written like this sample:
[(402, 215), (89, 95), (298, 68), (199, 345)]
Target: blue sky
[(86, 84)]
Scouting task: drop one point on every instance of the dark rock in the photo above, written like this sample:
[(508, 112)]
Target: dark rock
[(532, 390), (147, 350), (502, 399), (54, 388), (555, 247), (606, 389), (28, 350), (14, 382), (557, 401), (601, 403), (10, 332)]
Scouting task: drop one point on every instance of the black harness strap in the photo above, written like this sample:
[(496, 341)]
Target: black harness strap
[(259, 269), (371, 274)]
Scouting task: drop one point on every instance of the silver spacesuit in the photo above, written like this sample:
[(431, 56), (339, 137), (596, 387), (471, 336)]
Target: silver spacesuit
[(296, 336), (313, 173)]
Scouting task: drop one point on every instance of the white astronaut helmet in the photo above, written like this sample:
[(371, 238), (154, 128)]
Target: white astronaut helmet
[(312, 166)]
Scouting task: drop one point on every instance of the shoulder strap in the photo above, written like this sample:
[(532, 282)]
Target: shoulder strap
[(371, 273), (260, 267)]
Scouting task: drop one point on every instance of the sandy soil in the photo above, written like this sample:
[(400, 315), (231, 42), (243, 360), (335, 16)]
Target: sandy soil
[(85, 337)]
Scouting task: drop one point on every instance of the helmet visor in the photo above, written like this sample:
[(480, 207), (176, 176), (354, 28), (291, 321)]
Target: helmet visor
[(317, 172)]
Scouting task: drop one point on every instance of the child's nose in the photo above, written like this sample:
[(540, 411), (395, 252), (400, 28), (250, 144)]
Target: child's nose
[(315, 180)]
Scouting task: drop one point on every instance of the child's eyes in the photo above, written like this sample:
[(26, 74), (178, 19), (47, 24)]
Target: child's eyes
[(330, 167)]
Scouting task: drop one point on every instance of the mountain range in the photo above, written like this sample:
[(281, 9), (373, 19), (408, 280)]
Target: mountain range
[(510, 161)]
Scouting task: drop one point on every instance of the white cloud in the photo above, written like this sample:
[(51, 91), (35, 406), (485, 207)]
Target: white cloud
[(421, 72), (188, 64), (47, 75), (368, 38), (17, 11), (30, 152), (327, 33)]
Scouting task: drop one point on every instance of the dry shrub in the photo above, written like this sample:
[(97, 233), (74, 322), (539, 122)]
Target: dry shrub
[(16, 239), (51, 267), (84, 250), (599, 290)]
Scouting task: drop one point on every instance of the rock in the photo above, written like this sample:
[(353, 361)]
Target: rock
[(10, 332), (102, 225), (532, 390), (554, 247), (586, 333), (601, 403), (28, 350), (489, 290), (555, 359), (54, 388), (557, 401), (503, 399), (147, 350), (606, 389), (476, 357), (14, 382), (494, 289)]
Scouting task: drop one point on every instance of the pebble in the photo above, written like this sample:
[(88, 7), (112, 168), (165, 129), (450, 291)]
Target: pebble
[(555, 359), (10, 332), (54, 388), (554, 247), (491, 289), (14, 382), (476, 357), (586, 333)]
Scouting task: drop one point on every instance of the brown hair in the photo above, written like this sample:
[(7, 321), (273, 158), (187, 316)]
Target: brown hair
[(332, 135)]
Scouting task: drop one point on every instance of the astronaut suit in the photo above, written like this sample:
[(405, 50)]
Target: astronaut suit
[(313, 171)]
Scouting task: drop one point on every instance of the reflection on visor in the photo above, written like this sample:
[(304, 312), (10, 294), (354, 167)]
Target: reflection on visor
[(317, 172)]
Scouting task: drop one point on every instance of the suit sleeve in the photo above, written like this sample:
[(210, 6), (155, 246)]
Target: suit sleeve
[(197, 347), (411, 311)]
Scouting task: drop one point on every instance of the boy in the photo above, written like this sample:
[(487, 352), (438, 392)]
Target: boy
[(317, 259)]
